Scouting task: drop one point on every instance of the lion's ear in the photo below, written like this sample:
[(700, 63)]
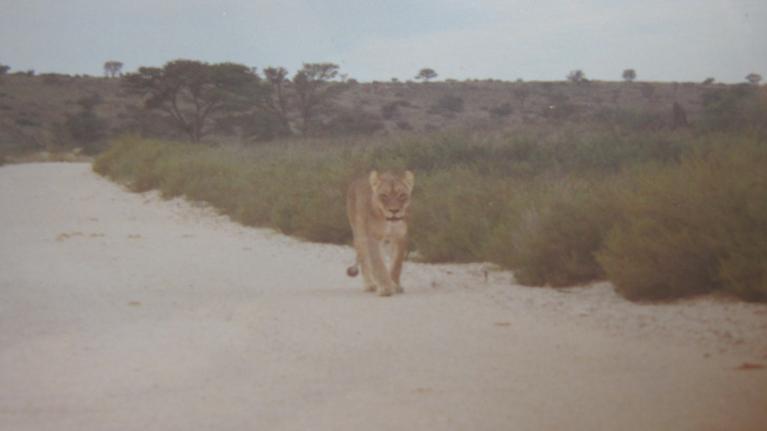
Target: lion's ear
[(373, 178), (409, 180)]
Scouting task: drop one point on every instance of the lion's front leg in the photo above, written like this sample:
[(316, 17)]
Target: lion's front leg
[(363, 260), (381, 277), (398, 257)]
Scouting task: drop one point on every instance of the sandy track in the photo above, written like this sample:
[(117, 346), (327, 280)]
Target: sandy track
[(121, 311)]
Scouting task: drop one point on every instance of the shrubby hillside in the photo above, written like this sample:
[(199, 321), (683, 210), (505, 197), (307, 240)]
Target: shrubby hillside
[(55, 112)]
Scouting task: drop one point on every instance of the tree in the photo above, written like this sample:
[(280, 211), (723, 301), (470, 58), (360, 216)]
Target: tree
[(754, 78), (192, 92), (112, 69), (276, 101), (629, 75), (4, 69), (314, 86), (426, 74), (576, 76)]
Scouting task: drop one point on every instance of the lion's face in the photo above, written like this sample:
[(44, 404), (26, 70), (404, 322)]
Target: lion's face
[(391, 194)]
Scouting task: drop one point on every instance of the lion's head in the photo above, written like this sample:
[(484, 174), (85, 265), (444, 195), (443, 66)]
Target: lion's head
[(391, 194)]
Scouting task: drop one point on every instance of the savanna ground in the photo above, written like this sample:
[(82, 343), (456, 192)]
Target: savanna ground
[(125, 311)]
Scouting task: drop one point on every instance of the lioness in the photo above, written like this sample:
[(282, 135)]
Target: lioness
[(377, 207)]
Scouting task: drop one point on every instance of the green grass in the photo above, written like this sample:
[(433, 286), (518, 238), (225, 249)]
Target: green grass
[(662, 215)]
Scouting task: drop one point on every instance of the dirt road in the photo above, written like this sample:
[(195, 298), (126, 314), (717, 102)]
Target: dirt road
[(122, 311)]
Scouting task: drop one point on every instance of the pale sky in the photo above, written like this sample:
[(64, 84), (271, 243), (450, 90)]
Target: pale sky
[(663, 40)]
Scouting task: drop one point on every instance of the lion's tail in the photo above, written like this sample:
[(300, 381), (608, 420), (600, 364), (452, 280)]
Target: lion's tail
[(353, 270)]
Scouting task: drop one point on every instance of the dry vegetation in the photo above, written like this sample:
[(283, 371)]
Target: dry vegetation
[(665, 216), (659, 188), (57, 113)]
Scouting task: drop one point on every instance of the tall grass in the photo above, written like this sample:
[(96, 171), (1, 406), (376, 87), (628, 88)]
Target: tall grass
[(662, 215)]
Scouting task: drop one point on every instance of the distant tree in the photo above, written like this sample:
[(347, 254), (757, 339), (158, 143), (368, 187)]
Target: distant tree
[(426, 74), (708, 81), (4, 69), (112, 69), (276, 101), (192, 92), (754, 78), (629, 75), (577, 76), (315, 85)]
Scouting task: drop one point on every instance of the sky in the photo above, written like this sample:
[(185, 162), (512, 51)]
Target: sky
[(662, 40)]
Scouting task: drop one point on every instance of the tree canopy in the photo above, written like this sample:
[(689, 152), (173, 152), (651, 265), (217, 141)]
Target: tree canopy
[(426, 74), (192, 92)]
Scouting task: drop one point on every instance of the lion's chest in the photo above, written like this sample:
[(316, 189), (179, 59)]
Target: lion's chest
[(389, 231)]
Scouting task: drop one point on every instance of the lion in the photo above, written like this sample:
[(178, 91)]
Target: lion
[(378, 210)]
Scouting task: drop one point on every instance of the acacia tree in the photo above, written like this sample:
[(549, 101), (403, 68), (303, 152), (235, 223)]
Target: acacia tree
[(576, 76), (192, 92), (754, 78), (315, 86), (276, 101), (112, 68), (426, 74), (629, 75)]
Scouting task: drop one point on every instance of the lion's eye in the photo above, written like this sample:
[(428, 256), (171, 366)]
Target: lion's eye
[(383, 197), (402, 197)]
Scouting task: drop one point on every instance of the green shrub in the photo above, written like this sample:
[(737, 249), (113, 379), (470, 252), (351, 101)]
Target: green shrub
[(454, 212), (551, 236), (694, 228)]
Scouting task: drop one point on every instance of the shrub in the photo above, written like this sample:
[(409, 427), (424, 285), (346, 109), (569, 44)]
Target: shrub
[(353, 123), (503, 110), (454, 213), (447, 105), (694, 228), (738, 107), (88, 130), (552, 235)]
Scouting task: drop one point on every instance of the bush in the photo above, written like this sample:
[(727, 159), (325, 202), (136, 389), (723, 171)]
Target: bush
[(88, 130), (551, 236), (454, 213), (694, 228), (739, 107), (503, 110), (447, 105)]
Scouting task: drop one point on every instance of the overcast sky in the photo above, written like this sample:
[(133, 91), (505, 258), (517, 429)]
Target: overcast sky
[(663, 40)]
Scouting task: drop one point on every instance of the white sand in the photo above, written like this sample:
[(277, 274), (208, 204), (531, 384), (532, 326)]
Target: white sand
[(122, 311)]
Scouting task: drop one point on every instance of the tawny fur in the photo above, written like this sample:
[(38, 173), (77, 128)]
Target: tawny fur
[(378, 210)]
